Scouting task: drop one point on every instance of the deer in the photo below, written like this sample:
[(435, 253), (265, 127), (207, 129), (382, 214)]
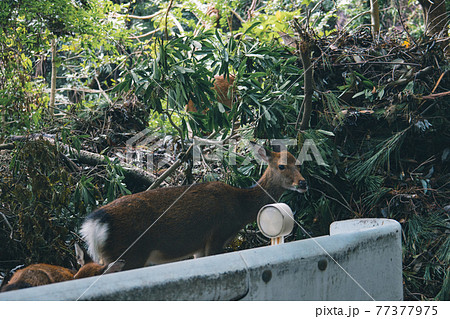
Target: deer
[(225, 95), (174, 223), (44, 274)]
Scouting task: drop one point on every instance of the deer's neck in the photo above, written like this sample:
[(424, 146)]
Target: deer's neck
[(262, 193)]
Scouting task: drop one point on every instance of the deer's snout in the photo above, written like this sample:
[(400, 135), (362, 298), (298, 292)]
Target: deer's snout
[(302, 185)]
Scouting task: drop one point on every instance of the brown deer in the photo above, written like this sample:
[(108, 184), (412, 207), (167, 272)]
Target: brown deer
[(221, 86), (169, 224), (44, 274), (90, 268)]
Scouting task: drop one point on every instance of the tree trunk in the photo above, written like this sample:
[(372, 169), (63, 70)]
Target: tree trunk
[(375, 18), (305, 52), (436, 17), (53, 78)]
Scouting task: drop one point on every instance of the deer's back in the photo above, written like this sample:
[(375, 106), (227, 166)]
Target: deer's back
[(41, 274), (176, 221), (175, 207)]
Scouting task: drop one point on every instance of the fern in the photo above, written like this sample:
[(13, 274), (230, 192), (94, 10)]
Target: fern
[(333, 111), (427, 248), (371, 200), (385, 149), (444, 293)]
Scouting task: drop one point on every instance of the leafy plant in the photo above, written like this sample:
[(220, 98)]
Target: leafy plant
[(114, 181), (38, 204)]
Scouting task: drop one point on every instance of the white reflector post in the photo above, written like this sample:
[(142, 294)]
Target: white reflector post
[(275, 221)]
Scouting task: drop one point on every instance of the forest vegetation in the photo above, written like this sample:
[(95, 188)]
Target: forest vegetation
[(93, 97)]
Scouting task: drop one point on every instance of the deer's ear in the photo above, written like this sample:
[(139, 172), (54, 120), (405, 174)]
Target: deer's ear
[(115, 266), (79, 252), (261, 152), (82, 256)]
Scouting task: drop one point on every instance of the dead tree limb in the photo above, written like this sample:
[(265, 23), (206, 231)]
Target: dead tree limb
[(131, 16), (7, 146), (132, 172), (305, 52), (375, 18), (251, 10), (308, 83), (183, 157), (436, 17), (9, 225), (171, 169), (93, 159), (53, 78)]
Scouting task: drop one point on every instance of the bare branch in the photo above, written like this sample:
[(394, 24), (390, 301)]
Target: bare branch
[(130, 16)]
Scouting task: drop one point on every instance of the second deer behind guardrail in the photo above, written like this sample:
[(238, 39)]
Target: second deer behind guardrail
[(44, 274)]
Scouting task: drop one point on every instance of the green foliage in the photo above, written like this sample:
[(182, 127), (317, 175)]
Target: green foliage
[(265, 26), (87, 35), (38, 194), (59, 17), (266, 82), (427, 253), (114, 181), (21, 99), (268, 86), (368, 130), (84, 198), (168, 81), (363, 169), (42, 198)]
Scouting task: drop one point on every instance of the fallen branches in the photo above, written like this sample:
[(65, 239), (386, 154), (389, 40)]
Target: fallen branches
[(435, 95), (134, 173), (93, 159), (171, 169), (7, 146)]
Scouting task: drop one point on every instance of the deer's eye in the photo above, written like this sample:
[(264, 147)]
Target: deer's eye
[(281, 167)]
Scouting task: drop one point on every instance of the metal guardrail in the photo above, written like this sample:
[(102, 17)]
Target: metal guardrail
[(361, 259)]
